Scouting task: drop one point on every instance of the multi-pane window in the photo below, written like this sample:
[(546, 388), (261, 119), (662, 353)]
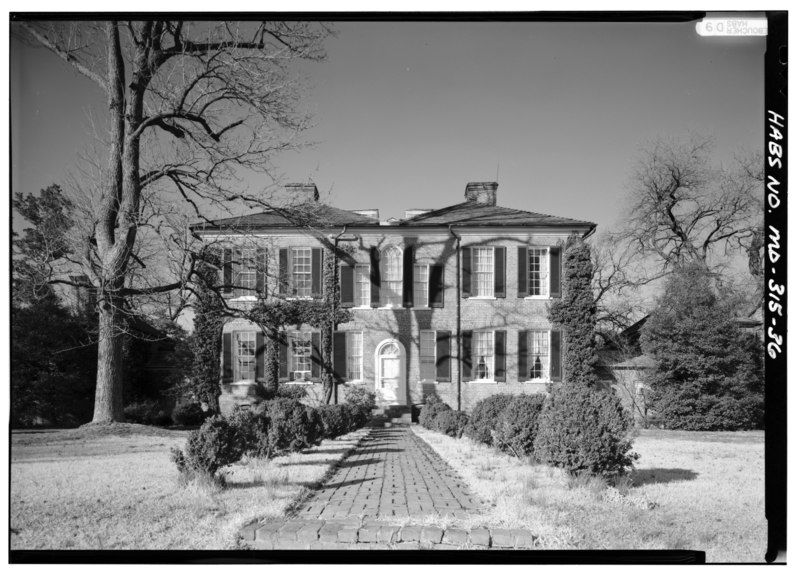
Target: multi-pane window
[(355, 356), (537, 269), (483, 355), (427, 354), (538, 354), (246, 272), (483, 271), (301, 272), (244, 364), (392, 277), (300, 355), (420, 285), (361, 291)]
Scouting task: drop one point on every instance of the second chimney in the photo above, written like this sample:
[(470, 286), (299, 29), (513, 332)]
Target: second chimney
[(482, 193), (301, 193)]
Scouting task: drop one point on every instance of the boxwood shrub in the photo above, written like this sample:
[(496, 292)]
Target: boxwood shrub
[(485, 416), (518, 425), (450, 422), (214, 445), (584, 430)]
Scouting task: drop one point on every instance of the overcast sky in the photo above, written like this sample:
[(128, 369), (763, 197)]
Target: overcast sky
[(407, 113)]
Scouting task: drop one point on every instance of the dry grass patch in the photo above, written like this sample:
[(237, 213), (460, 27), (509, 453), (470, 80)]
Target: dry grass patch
[(119, 490), (708, 489)]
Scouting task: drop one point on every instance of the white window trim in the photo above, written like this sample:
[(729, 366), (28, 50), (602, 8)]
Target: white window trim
[(427, 287), (546, 294), (474, 367), (362, 380), (235, 356), (474, 274), (548, 377), (399, 253), (424, 380), (356, 286)]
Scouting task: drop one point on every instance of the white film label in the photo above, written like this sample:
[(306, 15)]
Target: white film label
[(732, 27)]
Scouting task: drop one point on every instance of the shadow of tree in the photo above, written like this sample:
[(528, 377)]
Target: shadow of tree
[(661, 475)]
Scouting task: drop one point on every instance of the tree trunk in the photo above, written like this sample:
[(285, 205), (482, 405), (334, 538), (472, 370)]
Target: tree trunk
[(108, 394)]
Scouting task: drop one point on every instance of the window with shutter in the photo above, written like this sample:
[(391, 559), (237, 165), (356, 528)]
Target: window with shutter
[(355, 356), (436, 286), (443, 356), (483, 272), (361, 290), (427, 355), (538, 268), (391, 277), (244, 356), (421, 285), (483, 359), (538, 355)]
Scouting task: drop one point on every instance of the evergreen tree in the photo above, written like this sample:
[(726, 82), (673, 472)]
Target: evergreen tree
[(709, 373), (575, 313)]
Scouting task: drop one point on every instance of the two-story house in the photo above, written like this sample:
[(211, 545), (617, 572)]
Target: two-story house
[(452, 300)]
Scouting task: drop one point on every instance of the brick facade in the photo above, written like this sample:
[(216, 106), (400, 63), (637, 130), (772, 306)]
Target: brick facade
[(437, 244)]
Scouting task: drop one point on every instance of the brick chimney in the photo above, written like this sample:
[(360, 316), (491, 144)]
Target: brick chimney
[(297, 193), (482, 193)]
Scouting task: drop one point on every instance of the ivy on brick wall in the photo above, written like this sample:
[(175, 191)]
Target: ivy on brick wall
[(325, 314), (575, 313), (209, 318)]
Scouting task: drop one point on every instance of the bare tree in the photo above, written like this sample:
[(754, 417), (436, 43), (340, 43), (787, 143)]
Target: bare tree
[(194, 108), (682, 209)]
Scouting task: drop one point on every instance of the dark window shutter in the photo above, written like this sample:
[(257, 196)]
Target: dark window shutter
[(283, 357), (346, 278), (466, 355), (555, 356), (555, 272), (500, 272), (339, 356), (436, 286), (500, 355), (522, 272), (259, 356), (283, 271), (408, 277), (466, 272), (443, 356), (316, 272), (316, 356), (375, 277), (227, 270), (237, 272), (522, 360), (261, 271), (227, 358)]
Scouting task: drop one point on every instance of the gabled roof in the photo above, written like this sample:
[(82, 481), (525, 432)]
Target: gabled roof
[(473, 213), (312, 214)]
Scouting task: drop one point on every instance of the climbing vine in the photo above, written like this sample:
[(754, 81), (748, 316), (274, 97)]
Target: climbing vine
[(209, 318)]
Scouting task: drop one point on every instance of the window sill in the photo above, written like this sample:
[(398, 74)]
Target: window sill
[(390, 308), (301, 298), (535, 382), (537, 297), (484, 382), (482, 298), (243, 298), (420, 308)]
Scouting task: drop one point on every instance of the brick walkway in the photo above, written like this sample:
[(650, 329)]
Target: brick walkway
[(380, 497), (391, 473)]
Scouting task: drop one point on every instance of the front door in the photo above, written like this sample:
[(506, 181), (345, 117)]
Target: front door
[(390, 373)]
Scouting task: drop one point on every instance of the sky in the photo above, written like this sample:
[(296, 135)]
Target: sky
[(406, 113)]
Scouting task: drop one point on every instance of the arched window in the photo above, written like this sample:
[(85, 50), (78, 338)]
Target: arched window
[(392, 277)]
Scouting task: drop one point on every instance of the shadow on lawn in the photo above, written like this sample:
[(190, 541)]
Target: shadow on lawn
[(661, 475)]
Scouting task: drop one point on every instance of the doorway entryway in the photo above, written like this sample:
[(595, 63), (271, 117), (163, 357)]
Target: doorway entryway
[(390, 373)]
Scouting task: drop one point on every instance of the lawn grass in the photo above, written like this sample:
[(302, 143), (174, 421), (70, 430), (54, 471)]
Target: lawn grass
[(707, 488), (115, 488)]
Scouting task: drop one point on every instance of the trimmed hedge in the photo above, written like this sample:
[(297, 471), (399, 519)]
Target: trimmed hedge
[(292, 426), (252, 426), (485, 417), (429, 412), (519, 424), (188, 414), (451, 422), (337, 419), (214, 445), (584, 430)]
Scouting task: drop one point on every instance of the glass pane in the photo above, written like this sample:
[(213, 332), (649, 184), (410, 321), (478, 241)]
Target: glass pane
[(390, 368)]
